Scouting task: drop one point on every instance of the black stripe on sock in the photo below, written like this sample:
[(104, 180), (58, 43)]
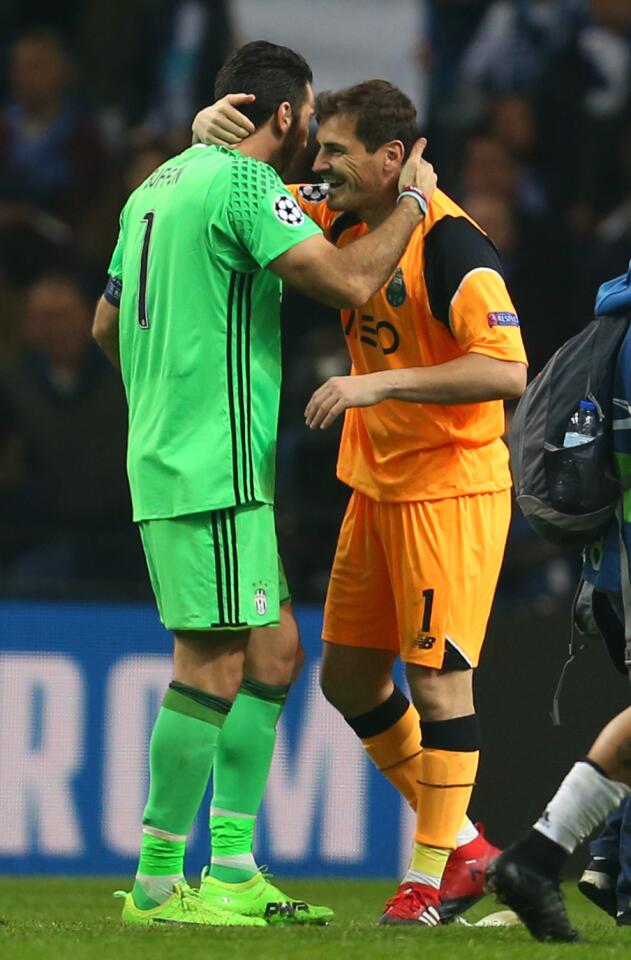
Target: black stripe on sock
[(460, 734), (218, 574), (266, 691), (230, 386), (200, 696), (380, 718), (248, 385)]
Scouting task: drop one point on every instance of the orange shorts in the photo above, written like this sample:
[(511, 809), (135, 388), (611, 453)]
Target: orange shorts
[(418, 578)]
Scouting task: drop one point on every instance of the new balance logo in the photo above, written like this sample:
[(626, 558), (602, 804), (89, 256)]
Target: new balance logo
[(423, 641), (287, 909)]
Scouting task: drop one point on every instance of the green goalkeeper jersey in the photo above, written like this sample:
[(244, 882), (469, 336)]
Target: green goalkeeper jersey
[(199, 330)]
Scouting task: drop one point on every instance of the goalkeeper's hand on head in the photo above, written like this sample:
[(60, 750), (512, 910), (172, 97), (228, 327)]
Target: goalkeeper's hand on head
[(222, 124)]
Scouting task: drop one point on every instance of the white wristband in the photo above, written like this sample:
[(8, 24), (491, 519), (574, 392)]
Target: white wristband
[(418, 195)]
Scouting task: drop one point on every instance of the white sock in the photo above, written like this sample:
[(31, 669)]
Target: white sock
[(582, 801), (415, 876), (158, 889), (466, 834), (239, 861)]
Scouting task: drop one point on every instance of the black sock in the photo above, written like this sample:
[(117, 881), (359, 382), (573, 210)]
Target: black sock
[(539, 853)]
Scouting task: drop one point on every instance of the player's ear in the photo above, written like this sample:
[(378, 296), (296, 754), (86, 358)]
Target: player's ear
[(283, 117), (393, 155)]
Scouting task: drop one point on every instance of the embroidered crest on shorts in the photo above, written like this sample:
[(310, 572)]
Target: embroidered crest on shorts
[(260, 602)]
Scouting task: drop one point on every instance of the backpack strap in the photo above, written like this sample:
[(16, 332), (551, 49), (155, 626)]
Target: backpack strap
[(582, 619), (625, 583)]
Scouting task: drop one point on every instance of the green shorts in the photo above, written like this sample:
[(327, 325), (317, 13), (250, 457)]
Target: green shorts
[(218, 570)]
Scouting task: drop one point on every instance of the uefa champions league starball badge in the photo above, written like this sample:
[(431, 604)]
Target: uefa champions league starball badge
[(288, 211)]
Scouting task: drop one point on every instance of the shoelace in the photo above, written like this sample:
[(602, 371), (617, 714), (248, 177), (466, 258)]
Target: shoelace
[(189, 898), (411, 897), (411, 902)]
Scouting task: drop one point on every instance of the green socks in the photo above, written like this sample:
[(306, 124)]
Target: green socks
[(193, 729), (181, 753), (242, 765)]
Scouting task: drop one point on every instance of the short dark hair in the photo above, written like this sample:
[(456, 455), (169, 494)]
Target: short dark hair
[(382, 112), (272, 73)]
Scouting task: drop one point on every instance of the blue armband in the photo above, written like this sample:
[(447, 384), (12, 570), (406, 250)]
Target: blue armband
[(113, 291)]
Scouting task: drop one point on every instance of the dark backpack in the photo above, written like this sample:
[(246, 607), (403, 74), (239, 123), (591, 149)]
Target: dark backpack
[(582, 368)]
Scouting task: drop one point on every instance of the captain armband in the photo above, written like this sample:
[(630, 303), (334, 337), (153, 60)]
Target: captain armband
[(113, 291)]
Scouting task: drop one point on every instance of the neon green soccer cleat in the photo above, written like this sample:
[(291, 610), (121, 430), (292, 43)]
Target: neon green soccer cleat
[(259, 898), (184, 906)]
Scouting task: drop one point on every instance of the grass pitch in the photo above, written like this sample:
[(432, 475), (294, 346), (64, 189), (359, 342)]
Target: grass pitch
[(77, 919)]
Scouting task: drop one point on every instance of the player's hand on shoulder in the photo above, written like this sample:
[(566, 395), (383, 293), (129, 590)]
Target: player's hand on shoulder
[(337, 394), (417, 171), (222, 124)]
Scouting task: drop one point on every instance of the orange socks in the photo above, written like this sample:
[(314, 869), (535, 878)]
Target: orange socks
[(444, 791), (436, 779), (449, 763), (392, 738), (398, 755)]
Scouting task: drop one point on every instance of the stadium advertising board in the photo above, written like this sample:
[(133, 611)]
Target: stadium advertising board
[(79, 688)]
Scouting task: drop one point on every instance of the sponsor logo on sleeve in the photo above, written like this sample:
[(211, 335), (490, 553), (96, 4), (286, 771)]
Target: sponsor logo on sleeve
[(288, 211), (314, 192), (503, 320)]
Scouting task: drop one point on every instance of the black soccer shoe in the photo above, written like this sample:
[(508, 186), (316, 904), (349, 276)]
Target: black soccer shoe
[(535, 899), (598, 884)]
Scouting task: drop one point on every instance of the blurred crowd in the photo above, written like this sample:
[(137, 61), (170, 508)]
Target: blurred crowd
[(529, 127)]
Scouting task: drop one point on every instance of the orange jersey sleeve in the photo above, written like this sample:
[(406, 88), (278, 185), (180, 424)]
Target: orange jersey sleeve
[(467, 292), (483, 319)]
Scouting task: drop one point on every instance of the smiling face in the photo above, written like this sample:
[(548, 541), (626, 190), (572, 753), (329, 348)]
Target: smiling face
[(358, 179)]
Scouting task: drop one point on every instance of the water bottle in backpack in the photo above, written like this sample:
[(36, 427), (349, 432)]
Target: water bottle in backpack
[(583, 426), (568, 491)]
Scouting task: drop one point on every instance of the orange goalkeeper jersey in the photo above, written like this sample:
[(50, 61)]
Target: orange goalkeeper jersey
[(446, 298)]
